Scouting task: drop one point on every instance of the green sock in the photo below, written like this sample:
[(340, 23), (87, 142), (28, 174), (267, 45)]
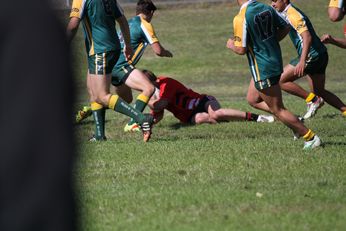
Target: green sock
[(119, 105), (99, 113), (140, 104)]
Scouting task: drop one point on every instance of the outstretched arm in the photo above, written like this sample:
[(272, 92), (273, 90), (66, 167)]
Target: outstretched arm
[(160, 50), (328, 39)]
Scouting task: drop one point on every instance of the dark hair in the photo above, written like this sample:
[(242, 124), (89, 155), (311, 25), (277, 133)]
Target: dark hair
[(145, 6), (151, 76)]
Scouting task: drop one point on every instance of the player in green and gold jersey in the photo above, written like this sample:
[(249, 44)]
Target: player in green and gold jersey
[(257, 30), (103, 48), (312, 61)]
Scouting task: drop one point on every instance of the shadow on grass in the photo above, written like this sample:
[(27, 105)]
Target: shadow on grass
[(331, 116), (177, 126), (334, 143)]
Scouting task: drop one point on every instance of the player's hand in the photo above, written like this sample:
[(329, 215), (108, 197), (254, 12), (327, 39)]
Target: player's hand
[(128, 51), (299, 70), (168, 54), (326, 38), (230, 43)]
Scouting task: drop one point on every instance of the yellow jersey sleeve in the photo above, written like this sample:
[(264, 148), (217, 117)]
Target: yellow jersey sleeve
[(149, 32), (336, 3), (239, 29), (77, 8), (296, 20)]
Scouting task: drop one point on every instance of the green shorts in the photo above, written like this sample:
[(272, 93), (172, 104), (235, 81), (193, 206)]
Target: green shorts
[(267, 83), (121, 73), (317, 65), (102, 63)]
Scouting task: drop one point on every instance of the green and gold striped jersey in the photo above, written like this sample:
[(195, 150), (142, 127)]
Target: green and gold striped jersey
[(142, 34), (255, 28), (98, 19), (299, 23)]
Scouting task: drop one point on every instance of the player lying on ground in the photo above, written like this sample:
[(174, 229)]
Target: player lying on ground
[(191, 107)]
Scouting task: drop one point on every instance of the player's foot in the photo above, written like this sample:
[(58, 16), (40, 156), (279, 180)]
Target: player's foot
[(146, 127), (83, 114), (94, 139), (265, 119), (314, 143), (132, 128), (312, 107)]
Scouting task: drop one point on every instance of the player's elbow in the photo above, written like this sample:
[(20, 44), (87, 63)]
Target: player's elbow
[(240, 50)]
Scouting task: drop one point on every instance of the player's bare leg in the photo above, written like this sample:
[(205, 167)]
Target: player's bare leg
[(137, 80), (124, 92), (318, 86), (254, 98), (287, 83)]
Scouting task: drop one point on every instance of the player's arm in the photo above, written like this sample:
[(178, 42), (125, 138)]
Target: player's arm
[(306, 37), (158, 104), (76, 15), (157, 107), (283, 27), (282, 32), (72, 28), (235, 49), (124, 27), (328, 39), (159, 50), (238, 43), (149, 33)]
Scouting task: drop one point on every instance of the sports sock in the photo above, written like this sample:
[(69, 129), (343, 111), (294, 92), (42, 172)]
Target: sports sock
[(309, 135), (140, 104), (99, 113), (119, 105), (311, 98), (251, 116)]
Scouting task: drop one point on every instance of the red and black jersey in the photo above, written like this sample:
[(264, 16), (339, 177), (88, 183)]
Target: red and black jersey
[(181, 100)]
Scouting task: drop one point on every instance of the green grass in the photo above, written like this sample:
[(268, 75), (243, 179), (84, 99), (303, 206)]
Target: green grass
[(206, 177)]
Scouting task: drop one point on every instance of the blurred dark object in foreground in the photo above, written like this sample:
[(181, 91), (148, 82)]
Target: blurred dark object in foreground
[(36, 142)]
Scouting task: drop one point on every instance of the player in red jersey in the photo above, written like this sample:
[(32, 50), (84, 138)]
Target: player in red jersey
[(191, 107)]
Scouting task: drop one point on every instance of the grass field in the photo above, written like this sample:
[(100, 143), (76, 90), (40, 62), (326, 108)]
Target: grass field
[(229, 176)]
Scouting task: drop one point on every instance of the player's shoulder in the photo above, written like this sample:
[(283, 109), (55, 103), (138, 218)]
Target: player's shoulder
[(294, 12)]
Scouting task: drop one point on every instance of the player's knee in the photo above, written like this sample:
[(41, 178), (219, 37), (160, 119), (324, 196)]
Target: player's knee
[(251, 101), (149, 90)]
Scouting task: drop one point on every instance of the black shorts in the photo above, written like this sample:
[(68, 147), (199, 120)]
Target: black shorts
[(201, 105)]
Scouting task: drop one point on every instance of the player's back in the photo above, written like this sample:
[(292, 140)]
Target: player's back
[(142, 34), (99, 25), (263, 46)]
